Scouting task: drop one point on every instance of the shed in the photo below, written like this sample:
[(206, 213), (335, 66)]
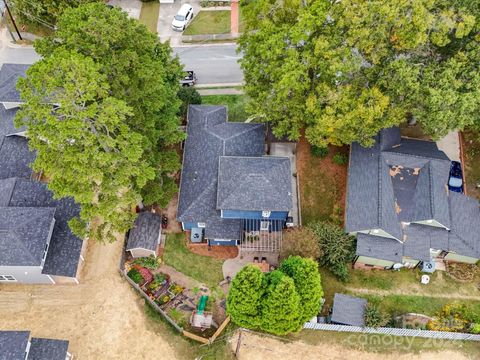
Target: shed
[(348, 310), (144, 237)]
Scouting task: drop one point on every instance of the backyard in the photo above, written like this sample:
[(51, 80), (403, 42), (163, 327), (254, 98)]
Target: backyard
[(471, 144), (211, 22), (234, 103), (204, 269), (322, 184)]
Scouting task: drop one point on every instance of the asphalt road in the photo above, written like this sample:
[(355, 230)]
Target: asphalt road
[(214, 64)]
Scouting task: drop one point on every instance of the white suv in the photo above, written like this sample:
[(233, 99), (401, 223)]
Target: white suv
[(183, 17)]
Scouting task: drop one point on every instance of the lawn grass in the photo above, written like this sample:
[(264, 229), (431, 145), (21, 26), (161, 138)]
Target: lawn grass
[(212, 22), (322, 185), (471, 147), (234, 103), (149, 15), (201, 268)]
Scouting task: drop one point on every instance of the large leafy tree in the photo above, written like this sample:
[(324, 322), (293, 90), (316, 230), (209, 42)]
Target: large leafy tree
[(343, 70), (245, 297), (306, 277), (127, 69), (141, 71), (336, 247), (281, 306), (44, 11)]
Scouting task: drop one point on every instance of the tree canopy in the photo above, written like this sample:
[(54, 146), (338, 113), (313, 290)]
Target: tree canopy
[(44, 11), (343, 70), (337, 248), (245, 297), (108, 140), (306, 277), (278, 302), (281, 305)]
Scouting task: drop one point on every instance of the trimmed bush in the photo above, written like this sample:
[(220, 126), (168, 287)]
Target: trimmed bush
[(374, 317), (340, 159), (318, 151), (136, 276)]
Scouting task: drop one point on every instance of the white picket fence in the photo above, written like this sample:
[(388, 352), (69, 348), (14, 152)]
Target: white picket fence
[(394, 331)]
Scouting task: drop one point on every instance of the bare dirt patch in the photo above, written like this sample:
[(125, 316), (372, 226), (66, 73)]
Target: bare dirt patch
[(103, 317), (217, 252), (171, 212), (322, 184), (261, 347)]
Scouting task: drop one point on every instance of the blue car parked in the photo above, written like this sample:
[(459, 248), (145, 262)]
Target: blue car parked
[(455, 181)]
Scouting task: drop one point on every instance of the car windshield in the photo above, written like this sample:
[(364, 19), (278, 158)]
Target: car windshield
[(455, 182), (179, 17)]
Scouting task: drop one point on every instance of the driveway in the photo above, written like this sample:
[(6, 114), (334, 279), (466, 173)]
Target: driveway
[(450, 145), (167, 12)]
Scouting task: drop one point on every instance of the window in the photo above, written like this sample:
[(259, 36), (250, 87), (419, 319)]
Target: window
[(7, 278), (266, 213), (201, 225), (264, 225)]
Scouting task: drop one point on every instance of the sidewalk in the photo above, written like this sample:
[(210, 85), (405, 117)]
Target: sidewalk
[(221, 91)]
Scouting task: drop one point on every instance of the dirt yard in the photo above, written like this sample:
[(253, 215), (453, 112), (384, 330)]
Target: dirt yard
[(103, 318), (255, 347)]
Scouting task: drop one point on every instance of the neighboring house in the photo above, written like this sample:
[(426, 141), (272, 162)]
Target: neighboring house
[(36, 244), (15, 345), (400, 208), (348, 310), (144, 237), (9, 74), (230, 191)]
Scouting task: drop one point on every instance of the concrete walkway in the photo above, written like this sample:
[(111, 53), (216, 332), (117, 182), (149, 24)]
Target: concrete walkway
[(450, 145), (221, 91)]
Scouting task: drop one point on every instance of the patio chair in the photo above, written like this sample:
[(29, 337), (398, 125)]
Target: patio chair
[(255, 259), (264, 259)]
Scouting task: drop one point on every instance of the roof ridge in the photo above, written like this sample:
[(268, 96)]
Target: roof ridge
[(430, 188), (379, 189), (430, 158), (250, 128)]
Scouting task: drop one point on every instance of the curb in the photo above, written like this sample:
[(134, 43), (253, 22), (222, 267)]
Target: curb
[(218, 85)]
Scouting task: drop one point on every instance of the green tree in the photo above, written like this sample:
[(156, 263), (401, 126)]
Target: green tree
[(44, 11), (343, 70), (245, 297), (306, 277), (188, 95), (83, 145), (336, 247), (134, 80), (141, 71), (374, 317), (281, 306)]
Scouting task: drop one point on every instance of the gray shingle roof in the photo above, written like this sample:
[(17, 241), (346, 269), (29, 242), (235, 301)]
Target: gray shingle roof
[(464, 236), (9, 74), (254, 183), (145, 232), (348, 310), (64, 250), (13, 344), (417, 190), (48, 349), (24, 233), (208, 138), (378, 247), (7, 126)]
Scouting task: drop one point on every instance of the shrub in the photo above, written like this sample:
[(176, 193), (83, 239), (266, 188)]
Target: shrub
[(475, 328), (188, 95), (452, 317), (135, 276), (300, 241), (150, 262), (374, 317), (340, 159), (318, 151), (337, 249)]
